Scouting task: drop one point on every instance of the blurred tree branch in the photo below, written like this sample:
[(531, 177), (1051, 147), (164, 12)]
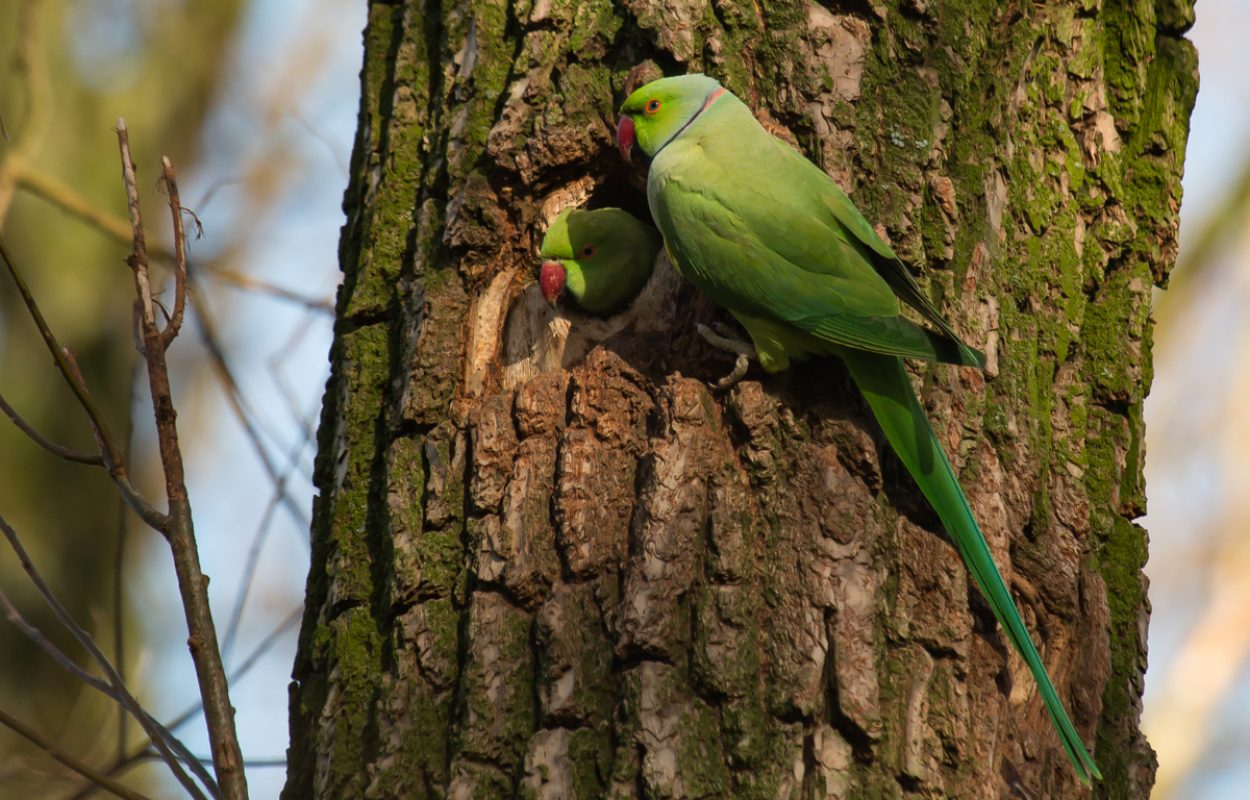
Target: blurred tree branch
[(66, 180), (99, 779), (111, 457), (28, 138), (66, 198), (69, 454), (142, 752), (1230, 214), (177, 525), (162, 738)]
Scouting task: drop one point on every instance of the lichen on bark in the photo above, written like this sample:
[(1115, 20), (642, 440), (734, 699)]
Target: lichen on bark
[(602, 579)]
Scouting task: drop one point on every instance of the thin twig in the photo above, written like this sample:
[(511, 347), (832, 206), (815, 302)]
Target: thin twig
[(113, 460), (192, 583), (119, 616), (331, 146), (52, 447), (97, 778), (249, 573), (121, 475), (112, 454), (115, 227), (68, 200), (263, 529), (245, 666), (249, 284), (306, 420), (254, 550), (164, 741), (65, 197), (55, 653), (180, 253), (258, 763), (250, 763), (217, 354)]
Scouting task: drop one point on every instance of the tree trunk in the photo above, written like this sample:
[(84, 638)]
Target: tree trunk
[(602, 579)]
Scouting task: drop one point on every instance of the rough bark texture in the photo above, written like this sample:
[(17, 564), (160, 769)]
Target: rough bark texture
[(555, 579)]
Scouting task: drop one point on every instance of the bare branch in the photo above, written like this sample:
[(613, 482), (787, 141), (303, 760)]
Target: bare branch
[(111, 454), (54, 652), (120, 475), (180, 254), (68, 368), (59, 656), (119, 617), (257, 546), (98, 778), (241, 410), (65, 197), (52, 447), (250, 284), (161, 738), (138, 258), (192, 583), (263, 529), (250, 763), (246, 665), (306, 420), (141, 752)]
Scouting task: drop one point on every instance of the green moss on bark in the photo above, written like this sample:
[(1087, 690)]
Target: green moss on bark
[(1026, 158)]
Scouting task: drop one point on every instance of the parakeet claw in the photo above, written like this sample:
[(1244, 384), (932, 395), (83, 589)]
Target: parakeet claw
[(739, 370), (720, 340)]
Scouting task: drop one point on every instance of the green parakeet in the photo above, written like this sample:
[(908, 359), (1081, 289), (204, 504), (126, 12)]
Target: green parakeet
[(770, 237), (602, 258)]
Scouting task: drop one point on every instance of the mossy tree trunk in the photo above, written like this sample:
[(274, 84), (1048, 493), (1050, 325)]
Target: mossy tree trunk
[(607, 580)]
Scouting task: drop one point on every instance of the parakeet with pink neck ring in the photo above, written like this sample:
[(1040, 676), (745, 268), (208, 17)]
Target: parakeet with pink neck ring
[(767, 235)]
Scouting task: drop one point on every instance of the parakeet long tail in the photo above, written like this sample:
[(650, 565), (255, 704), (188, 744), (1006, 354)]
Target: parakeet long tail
[(886, 387)]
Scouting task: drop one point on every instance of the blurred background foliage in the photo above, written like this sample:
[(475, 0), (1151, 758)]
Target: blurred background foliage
[(255, 101), (72, 67), (1198, 444)]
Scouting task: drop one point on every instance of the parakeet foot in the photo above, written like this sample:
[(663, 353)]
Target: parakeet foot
[(744, 350), (721, 340)]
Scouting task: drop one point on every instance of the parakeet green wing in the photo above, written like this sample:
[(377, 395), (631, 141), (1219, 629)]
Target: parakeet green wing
[(802, 265), (888, 265)]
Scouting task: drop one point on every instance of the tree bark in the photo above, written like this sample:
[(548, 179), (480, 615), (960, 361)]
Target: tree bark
[(598, 578)]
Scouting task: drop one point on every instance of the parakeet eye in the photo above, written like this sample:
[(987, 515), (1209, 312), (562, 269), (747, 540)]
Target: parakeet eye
[(653, 106), (589, 250)]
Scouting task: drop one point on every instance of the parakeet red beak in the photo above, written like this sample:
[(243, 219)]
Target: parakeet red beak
[(551, 279), (625, 137)]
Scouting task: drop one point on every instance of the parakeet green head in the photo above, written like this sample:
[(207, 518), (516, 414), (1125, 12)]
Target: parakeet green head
[(658, 111), (601, 258)]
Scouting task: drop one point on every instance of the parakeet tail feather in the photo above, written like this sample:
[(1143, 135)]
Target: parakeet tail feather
[(886, 387)]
